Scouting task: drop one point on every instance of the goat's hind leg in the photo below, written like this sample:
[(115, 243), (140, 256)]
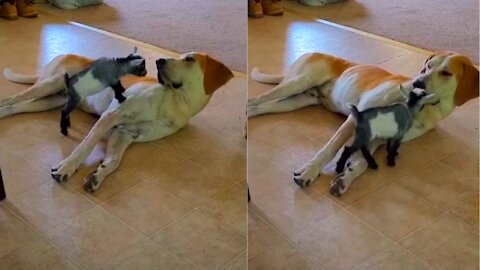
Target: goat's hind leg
[(349, 151), (72, 102), (392, 147), (356, 166), (369, 158)]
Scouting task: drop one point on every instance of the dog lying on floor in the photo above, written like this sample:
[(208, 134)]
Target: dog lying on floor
[(319, 79), (151, 110)]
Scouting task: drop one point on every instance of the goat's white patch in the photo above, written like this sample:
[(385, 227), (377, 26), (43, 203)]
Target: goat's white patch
[(383, 125), (88, 84)]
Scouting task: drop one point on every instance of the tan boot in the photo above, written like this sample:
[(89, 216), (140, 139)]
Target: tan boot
[(255, 9), (26, 9), (8, 11), (272, 7)]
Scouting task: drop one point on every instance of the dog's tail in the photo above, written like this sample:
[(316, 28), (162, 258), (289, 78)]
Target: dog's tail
[(266, 78), (19, 78)]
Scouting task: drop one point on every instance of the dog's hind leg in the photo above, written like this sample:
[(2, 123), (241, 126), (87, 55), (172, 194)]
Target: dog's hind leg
[(37, 105), (311, 170), (287, 88), (282, 105), (117, 143), (65, 168), (42, 88)]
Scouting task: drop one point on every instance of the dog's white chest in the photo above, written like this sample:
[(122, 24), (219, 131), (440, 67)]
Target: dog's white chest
[(88, 85), (383, 125)]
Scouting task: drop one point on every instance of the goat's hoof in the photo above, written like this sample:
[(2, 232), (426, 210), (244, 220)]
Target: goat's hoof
[(64, 131), (373, 166)]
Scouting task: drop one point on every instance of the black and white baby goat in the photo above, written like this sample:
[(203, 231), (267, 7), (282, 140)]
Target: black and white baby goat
[(104, 72), (389, 123)]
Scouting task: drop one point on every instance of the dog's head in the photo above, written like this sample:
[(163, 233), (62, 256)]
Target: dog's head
[(191, 71), (449, 73)]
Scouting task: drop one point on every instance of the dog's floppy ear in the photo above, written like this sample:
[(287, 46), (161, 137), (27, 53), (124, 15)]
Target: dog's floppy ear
[(215, 75), (467, 87)]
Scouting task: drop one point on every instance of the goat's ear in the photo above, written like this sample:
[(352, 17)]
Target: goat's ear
[(133, 53), (404, 91)]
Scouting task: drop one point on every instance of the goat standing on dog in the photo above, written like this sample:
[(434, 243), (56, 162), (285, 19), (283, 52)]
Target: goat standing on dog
[(390, 123), (103, 73)]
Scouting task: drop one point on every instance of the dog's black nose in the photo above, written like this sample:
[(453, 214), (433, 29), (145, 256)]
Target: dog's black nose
[(419, 84), (161, 61)]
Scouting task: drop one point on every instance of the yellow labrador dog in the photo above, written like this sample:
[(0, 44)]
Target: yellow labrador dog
[(151, 111), (335, 83)]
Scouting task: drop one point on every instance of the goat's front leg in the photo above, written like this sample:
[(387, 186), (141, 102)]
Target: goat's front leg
[(356, 165), (118, 89), (65, 169)]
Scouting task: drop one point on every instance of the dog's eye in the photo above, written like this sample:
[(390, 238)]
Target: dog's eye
[(446, 73), (190, 59), (423, 70)]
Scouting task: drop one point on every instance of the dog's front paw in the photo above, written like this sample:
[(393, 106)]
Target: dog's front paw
[(91, 182), (63, 171), (306, 175)]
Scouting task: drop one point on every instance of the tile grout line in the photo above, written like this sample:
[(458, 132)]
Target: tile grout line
[(162, 228), (392, 241), (449, 213), (143, 240), (45, 237), (130, 227), (285, 238), (418, 198), (218, 195), (178, 220), (171, 253), (234, 259)]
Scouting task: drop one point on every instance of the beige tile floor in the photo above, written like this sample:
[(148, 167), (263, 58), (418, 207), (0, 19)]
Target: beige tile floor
[(422, 214), (175, 203)]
